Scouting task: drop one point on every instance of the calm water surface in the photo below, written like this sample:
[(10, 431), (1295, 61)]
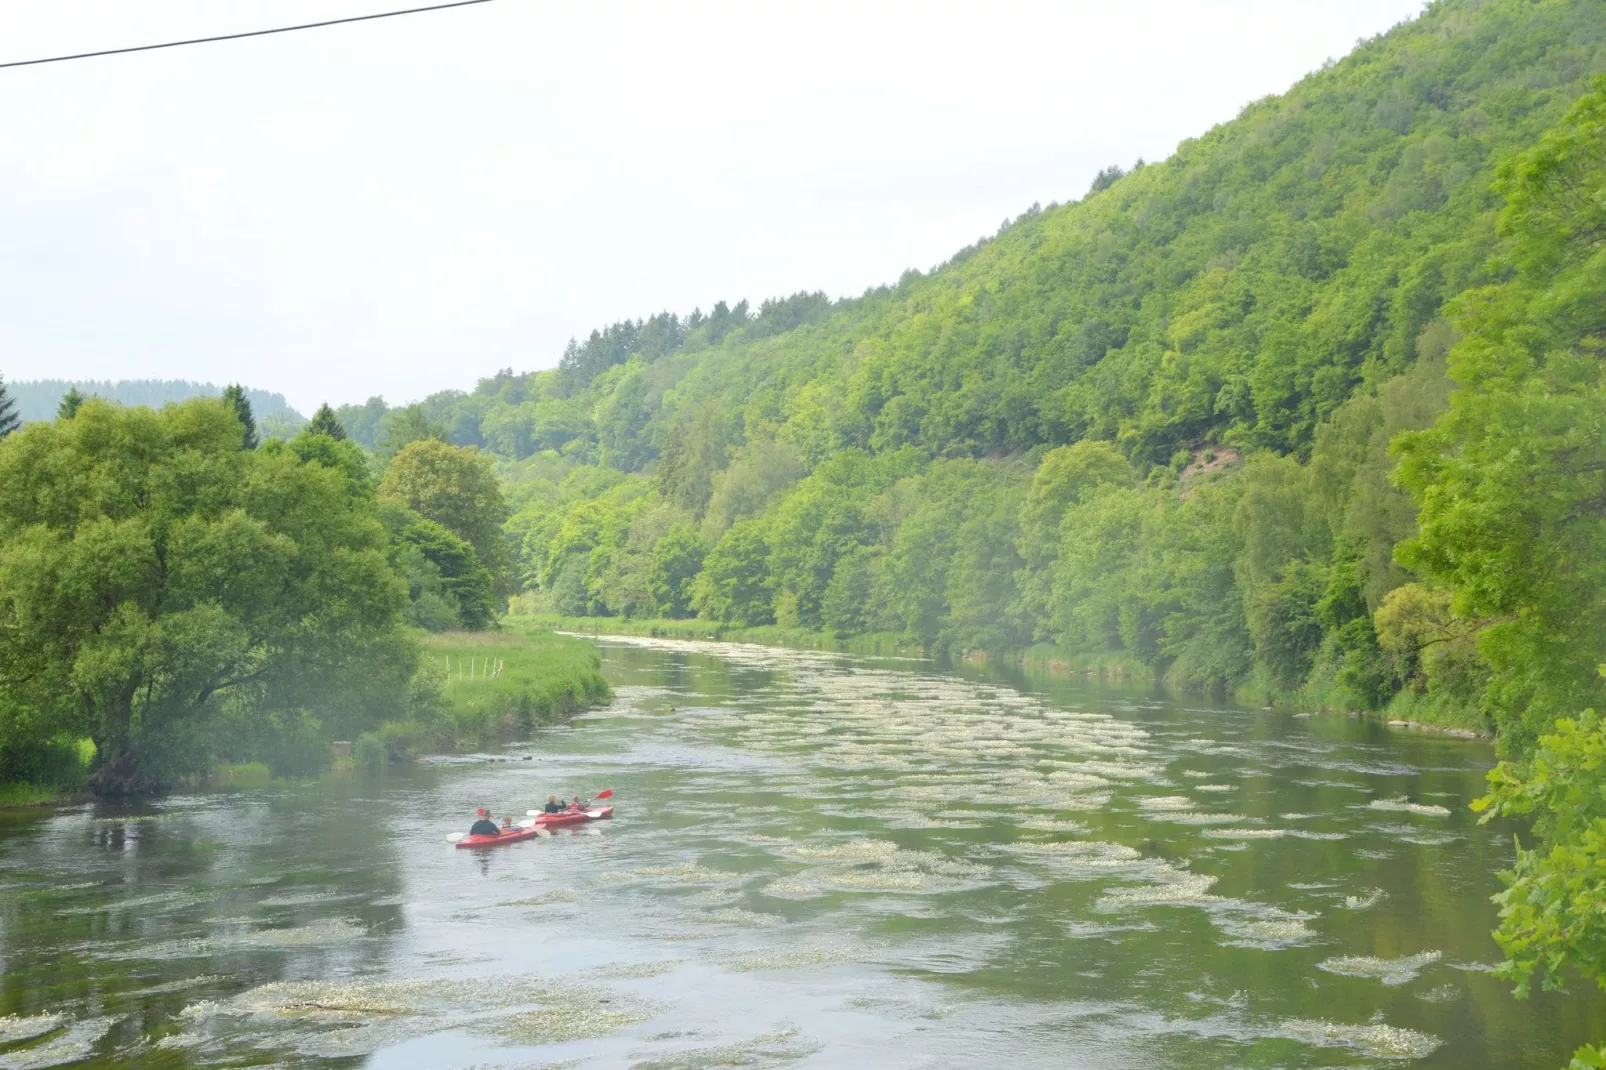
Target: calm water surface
[(816, 862)]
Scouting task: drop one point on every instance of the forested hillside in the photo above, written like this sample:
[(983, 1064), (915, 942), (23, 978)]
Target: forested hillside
[(38, 399), (1150, 427)]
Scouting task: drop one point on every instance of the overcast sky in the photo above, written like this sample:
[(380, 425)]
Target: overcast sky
[(403, 206)]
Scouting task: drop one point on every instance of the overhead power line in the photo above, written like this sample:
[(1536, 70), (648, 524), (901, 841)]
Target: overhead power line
[(237, 36)]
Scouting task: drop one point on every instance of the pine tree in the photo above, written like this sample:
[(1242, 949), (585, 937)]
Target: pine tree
[(324, 422), (234, 397), (9, 420), (70, 401)]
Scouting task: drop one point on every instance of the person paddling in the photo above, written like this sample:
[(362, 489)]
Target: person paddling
[(553, 805), (577, 805), (484, 826)]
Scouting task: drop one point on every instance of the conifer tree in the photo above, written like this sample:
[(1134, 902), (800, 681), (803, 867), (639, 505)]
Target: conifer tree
[(324, 422), (9, 420), (70, 401), (234, 397)]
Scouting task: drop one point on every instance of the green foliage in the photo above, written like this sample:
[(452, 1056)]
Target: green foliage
[(71, 402), (456, 488), (1512, 480), (170, 595), (1512, 486), (234, 397), (676, 561), (735, 584), (9, 420), (324, 422), (448, 588)]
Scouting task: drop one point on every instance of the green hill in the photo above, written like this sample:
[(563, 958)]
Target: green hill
[(1146, 428)]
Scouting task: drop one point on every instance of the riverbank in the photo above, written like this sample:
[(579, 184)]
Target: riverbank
[(1406, 710), (488, 686), (477, 689), (878, 644)]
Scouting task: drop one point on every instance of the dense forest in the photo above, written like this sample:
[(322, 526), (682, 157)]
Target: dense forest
[(39, 399), (1148, 429)]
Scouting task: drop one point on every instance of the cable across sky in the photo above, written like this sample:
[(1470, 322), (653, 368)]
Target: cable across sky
[(238, 36)]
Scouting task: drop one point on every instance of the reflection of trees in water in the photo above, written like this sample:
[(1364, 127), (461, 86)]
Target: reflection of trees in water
[(140, 912)]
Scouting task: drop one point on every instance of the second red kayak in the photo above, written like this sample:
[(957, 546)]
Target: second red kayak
[(573, 817)]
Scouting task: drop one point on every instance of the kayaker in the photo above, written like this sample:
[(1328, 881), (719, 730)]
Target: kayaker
[(577, 805), (507, 824), (553, 805), (484, 826)]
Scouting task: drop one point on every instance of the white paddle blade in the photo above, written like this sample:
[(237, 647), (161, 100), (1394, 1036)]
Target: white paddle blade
[(544, 833), (453, 837), (527, 824), (593, 813), (532, 813)]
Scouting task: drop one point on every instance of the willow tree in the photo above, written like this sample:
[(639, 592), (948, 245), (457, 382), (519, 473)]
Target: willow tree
[(157, 582)]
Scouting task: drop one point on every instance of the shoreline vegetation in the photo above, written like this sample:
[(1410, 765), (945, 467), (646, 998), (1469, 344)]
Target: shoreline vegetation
[(493, 685), (1047, 660)]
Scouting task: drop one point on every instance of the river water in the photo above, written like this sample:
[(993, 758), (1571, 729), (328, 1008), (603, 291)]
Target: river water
[(816, 861)]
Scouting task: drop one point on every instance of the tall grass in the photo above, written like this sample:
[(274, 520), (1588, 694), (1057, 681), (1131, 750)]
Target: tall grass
[(495, 683)]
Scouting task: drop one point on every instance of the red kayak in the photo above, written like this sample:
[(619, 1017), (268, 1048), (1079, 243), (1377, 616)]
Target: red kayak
[(543, 823), (572, 817)]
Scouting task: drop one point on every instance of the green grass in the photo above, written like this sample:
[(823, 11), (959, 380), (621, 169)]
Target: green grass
[(497, 683)]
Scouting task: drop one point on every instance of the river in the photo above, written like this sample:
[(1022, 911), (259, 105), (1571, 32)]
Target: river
[(816, 861)]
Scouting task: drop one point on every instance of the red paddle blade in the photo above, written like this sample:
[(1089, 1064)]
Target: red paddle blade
[(605, 793)]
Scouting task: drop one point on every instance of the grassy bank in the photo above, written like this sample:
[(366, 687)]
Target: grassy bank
[(491, 685)]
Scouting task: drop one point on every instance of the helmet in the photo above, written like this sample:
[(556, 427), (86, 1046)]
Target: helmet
[(483, 812)]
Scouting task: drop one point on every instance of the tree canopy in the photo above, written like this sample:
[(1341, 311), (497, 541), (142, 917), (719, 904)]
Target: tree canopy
[(156, 580)]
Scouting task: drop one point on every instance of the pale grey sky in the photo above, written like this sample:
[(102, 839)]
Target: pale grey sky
[(403, 206)]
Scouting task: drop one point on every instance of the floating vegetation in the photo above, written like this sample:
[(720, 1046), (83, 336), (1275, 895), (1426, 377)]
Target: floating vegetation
[(73, 1045), (634, 970), (1176, 888), (792, 888), (1194, 817), (1400, 804), (1377, 1041), (357, 1017), (1267, 928), (1442, 994), (766, 1050), (1390, 971), (564, 1022), (745, 918), (1165, 803), (800, 958), (15, 1029), (1372, 897)]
